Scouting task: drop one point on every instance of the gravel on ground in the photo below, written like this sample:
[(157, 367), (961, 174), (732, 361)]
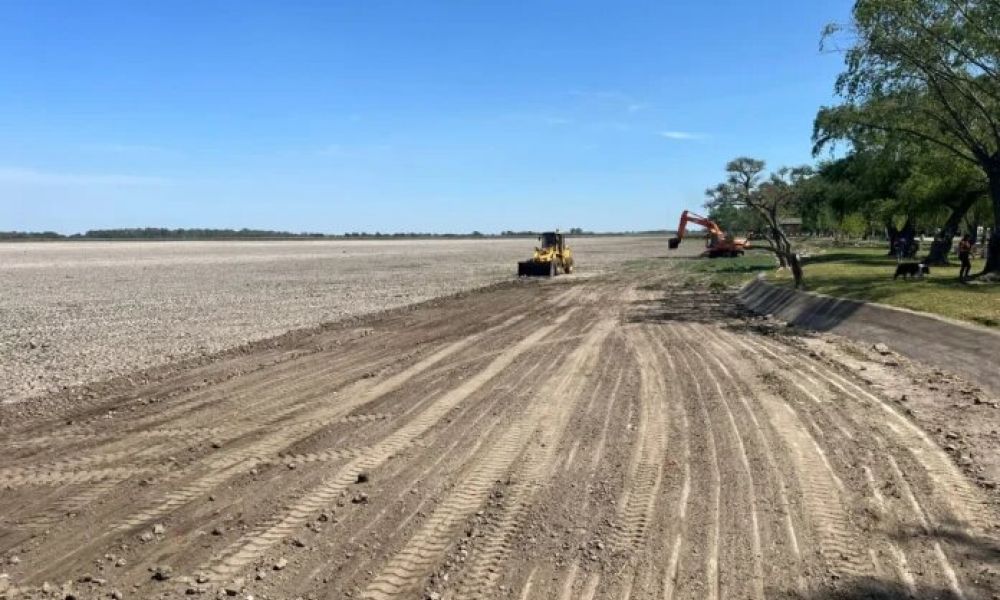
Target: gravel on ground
[(74, 312)]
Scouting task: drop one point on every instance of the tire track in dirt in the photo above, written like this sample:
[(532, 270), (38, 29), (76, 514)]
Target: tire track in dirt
[(263, 450), (721, 352), (712, 462), (494, 422), (961, 513), (208, 474), (680, 516), (251, 546), (739, 448), (603, 437), (811, 389), (645, 470), (641, 524), (133, 447), (498, 554), (291, 354), (823, 493), (939, 563), (710, 562), (951, 487), (536, 468), (555, 400), (301, 379), (927, 527), (73, 470), (290, 377)]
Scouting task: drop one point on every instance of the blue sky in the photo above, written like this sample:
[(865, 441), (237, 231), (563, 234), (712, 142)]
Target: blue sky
[(396, 116)]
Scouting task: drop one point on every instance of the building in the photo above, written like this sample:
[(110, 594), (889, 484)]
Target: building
[(791, 225)]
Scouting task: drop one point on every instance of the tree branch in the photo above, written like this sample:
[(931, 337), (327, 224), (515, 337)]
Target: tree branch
[(920, 135), (988, 69)]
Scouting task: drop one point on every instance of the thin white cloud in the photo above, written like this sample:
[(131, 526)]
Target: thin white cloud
[(682, 135), (23, 176)]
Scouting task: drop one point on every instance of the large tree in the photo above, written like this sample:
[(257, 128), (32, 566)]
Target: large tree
[(867, 182), (926, 70), (944, 190)]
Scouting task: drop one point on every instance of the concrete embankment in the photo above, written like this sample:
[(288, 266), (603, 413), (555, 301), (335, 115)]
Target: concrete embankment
[(964, 348)]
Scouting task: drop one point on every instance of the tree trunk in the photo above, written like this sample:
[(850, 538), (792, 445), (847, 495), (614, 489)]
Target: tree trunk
[(908, 230), (993, 248), (940, 248), (941, 245), (793, 260)]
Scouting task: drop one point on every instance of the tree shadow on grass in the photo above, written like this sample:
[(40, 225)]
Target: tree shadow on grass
[(850, 257), (737, 268), (882, 287)]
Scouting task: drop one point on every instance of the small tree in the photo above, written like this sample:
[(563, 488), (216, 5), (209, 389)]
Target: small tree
[(769, 199)]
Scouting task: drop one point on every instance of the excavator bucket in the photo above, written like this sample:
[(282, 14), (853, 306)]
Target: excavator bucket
[(674, 243)]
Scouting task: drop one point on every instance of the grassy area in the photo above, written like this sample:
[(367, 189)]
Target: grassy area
[(866, 274), (726, 271), (862, 274)]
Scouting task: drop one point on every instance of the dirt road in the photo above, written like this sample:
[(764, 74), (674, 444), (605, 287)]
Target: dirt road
[(611, 437)]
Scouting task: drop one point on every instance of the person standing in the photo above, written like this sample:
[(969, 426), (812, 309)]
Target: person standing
[(899, 248), (965, 258)]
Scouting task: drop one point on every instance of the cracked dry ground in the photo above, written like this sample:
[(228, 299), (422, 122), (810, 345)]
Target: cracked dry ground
[(598, 438)]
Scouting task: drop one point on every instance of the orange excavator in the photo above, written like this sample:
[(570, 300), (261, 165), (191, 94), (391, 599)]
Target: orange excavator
[(718, 244)]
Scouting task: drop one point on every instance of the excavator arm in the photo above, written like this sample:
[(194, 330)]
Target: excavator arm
[(689, 217)]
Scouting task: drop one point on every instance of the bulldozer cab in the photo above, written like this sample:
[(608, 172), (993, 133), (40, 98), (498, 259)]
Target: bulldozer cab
[(550, 239), (551, 256)]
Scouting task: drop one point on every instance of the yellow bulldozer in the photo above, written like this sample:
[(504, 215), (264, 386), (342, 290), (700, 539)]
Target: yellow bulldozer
[(549, 258)]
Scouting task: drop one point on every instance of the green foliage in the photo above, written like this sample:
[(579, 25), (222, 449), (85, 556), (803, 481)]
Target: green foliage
[(852, 225), (924, 72), (30, 235), (767, 198), (921, 69)]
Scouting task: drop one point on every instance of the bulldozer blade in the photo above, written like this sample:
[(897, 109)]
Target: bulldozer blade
[(531, 268), (674, 242)]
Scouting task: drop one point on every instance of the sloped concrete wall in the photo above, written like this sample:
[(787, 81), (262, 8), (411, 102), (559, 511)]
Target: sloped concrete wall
[(971, 351)]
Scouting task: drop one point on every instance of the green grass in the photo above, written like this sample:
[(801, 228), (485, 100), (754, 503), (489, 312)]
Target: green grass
[(866, 274), (719, 273), (859, 273)]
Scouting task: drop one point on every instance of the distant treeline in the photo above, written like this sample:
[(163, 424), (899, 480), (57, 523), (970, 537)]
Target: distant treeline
[(160, 233)]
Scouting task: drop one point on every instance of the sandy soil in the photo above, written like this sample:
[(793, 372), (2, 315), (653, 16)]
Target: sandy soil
[(78, 311), (604, 437)]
